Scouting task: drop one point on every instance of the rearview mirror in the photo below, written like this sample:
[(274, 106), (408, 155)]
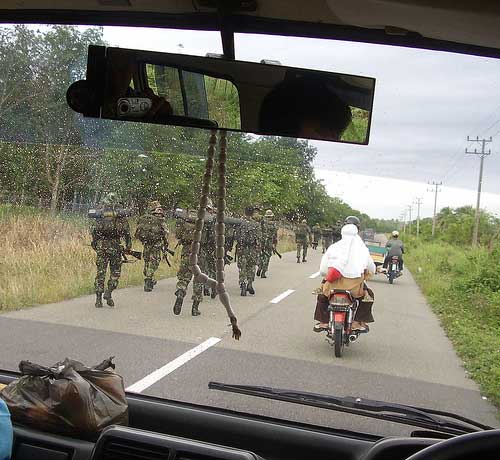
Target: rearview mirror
[(182, 90)]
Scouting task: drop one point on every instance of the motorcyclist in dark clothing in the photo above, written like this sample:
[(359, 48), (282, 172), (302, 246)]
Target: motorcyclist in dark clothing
[(395, 247)]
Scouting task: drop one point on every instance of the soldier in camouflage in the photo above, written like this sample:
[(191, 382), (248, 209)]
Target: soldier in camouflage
[(248, 239), (269, 241), (107, 232), (337, 231), (316, 233), (184, 231), (327, 236), (302, 238), (152, 232)]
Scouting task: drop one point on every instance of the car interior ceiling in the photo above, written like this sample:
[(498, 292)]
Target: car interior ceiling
[(206, 432)]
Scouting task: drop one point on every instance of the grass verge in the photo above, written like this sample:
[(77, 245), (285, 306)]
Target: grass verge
[(45, 259), (463, 288)]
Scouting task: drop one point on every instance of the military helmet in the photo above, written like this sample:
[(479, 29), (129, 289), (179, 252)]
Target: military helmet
[(352, 220), (210, 205), (110, 199), (153, 205), (269, 213)]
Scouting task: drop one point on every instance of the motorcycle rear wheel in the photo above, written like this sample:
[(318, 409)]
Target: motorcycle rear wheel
[(339, 342), (391, 278)]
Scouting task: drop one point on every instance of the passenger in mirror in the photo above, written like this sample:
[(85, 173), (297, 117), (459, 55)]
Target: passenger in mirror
[(304, 107), (124, 101)]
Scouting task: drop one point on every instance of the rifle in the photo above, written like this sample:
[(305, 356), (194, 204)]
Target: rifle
[(167, 251), (277, 253), (124, 252)]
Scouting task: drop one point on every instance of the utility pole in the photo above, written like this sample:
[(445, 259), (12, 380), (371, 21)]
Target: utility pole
[(482, 154), (402, 220), (418, 202), (435, 190), (409, 208)]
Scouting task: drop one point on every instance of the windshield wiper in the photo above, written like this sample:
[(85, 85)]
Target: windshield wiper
[(445, 422)]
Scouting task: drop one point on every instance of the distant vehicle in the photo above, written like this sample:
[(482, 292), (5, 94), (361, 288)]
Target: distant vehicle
[(368, 234), (393, 270)]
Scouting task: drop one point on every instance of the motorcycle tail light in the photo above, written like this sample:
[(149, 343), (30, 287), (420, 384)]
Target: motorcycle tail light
[(339, 317)]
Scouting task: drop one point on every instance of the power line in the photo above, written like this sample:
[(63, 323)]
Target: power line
[(435, 190), (482, 154)]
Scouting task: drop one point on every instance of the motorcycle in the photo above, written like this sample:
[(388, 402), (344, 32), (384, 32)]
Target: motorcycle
[(342, 307), (393, 270)]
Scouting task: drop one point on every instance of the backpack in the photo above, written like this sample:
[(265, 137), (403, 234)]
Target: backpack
[(150, 228), (184, 231), (301, 232), (247, 234), (107, 228)]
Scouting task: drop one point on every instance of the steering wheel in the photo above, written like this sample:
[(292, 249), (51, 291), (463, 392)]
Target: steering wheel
[(481, 444)]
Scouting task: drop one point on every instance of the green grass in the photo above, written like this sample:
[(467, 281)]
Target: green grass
[(463, 288), (45, 259)]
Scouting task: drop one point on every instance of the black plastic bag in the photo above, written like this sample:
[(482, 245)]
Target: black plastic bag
[(68, 398)]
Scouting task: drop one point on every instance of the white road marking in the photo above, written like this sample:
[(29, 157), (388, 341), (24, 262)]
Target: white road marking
[(158, 374), (282, 296), (314, 275)]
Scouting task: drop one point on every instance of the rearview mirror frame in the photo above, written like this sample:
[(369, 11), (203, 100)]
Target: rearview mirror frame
[(98, 95)]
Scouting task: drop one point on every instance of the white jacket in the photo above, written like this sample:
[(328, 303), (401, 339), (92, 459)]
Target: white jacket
[(349, 256)]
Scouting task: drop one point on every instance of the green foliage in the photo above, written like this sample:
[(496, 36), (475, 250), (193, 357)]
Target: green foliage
[(462, 286), (455, 226)]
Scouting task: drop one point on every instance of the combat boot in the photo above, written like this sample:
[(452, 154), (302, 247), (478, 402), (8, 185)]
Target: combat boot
[(304, 259), (206, 291), (263, 275), (194, 309), (178, 302), (250, 289), (109, 300), (259, 271), (213, 294), (243, 288), (98, 300), (298, 260), (148, 285)]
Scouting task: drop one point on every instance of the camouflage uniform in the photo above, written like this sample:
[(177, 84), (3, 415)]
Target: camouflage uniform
[(107, 232), (302, 238), (248, 236), (184, 231), (327, 234), (316, 231), (152, 232), (269, 241), (337, 232)]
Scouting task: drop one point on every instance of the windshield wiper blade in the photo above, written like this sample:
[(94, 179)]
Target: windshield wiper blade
[(398, 413)]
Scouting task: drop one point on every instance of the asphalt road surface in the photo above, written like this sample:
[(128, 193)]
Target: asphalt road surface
[(405, 358)]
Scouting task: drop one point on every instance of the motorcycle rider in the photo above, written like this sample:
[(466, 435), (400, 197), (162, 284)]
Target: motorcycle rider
[(346, 265), (395, 248)]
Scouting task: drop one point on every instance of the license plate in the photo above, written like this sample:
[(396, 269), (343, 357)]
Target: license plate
[(394, 267)]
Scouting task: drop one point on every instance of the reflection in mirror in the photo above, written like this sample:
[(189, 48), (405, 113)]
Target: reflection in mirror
[(206, 92)]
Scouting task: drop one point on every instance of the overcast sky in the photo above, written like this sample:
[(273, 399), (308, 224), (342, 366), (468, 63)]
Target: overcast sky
[(426, 104)]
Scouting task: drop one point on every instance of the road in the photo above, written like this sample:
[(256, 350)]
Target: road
[(405, 358)]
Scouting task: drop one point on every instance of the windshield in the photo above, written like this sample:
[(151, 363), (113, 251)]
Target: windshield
[(97, 219)]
